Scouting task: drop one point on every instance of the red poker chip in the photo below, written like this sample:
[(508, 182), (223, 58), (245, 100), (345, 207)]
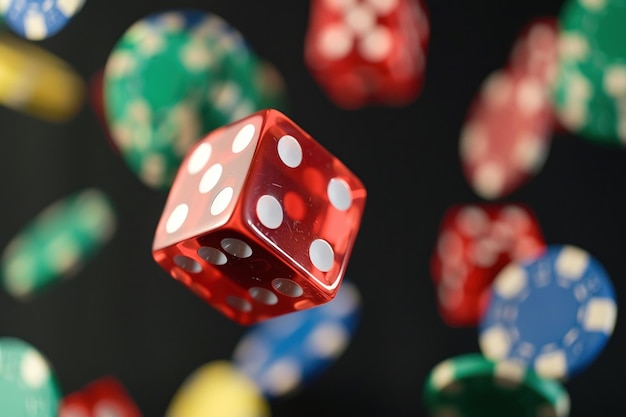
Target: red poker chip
[(535, 51), (506, 136)]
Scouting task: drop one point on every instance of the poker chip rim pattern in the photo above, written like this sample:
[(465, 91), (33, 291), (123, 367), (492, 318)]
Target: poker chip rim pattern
[(15, 15), (550, 360)]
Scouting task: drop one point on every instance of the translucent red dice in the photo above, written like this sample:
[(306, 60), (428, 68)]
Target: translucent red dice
[(475, 242), (368, 52), (105, 396), (261, 219)]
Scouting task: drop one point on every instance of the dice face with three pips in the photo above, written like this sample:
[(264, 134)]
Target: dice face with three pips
[(261, 219)]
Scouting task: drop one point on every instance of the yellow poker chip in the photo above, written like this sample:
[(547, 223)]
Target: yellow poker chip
[(218, 389), (38, 83)]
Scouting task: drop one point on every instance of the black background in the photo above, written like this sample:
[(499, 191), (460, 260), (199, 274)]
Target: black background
[(123, 315)]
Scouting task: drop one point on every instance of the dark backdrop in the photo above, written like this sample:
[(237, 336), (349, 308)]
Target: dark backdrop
[(123, 315)]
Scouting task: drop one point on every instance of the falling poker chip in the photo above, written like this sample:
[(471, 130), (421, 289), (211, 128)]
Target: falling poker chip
[(590, 91), (286, 352), (57, 242), (555, 313), (154, 83), (28, 387), (506, 137), (472, 386), (535, 51), (218, 389), (37, 82), (39, 19), (163, 88)]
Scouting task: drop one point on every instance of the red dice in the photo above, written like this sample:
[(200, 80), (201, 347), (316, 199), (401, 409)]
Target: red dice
[(475, 242), (103, 397), (260, 220), (364, 52)]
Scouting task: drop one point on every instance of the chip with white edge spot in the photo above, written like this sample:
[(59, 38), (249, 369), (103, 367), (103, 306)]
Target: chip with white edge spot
[(28, 387), (471, 385)]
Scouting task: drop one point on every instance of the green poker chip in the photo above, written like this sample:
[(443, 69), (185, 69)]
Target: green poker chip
[(234, 95), (251, 85), (584, 109), (590, 89), (28, 387), (472, 386), (172, 78), (57, 242), (155, 81)]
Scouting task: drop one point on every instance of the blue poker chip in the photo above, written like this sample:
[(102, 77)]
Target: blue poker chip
[(38, 19), (555, 313), (285, 353)]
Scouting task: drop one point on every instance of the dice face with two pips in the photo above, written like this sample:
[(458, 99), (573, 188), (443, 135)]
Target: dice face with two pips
[(261, 219)]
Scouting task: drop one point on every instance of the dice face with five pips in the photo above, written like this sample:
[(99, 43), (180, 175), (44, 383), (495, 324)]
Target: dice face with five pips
[(261, 219)]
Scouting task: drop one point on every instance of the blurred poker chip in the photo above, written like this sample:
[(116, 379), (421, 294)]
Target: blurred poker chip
[(218, 389), (28, 386), (285, 353), (506, 137), (36, 20), (590, 90), (470, 385), (535, 50), (57, 242), (173, 77), (38, 83)]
